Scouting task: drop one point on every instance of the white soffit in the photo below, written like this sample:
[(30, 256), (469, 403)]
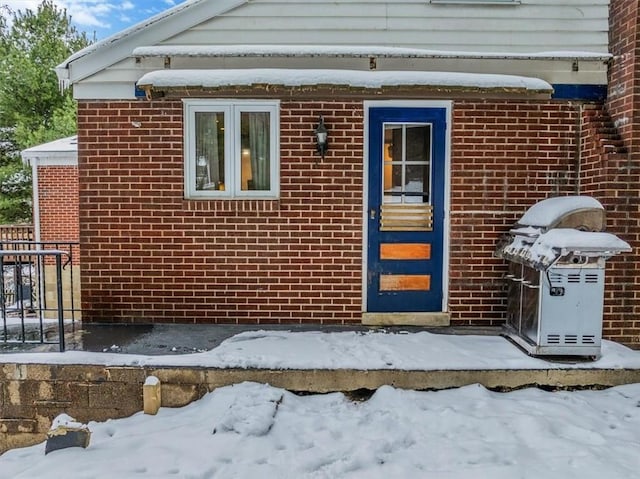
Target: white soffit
[(352, 51), (351, 78), (158, 28)]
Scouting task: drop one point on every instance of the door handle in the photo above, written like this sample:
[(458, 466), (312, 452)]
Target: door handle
[(372, 213)]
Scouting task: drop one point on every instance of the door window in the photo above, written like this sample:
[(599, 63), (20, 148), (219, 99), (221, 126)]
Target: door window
[(406, 163)]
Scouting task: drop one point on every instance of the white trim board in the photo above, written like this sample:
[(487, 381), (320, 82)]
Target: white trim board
[(111, 50)]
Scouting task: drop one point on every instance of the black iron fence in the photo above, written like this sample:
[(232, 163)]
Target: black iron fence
[(39, 295)]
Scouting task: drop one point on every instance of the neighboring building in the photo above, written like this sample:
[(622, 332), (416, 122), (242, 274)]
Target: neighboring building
[(203, 198), (54, 170)]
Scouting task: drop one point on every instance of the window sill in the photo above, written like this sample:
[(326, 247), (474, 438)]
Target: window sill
[(233, 205)]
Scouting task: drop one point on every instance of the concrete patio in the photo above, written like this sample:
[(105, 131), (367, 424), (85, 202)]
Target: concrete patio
[(172, 344), (101, 375)]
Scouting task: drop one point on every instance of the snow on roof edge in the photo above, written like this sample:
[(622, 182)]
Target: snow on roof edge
[(350, 51), (54, 153), (68, 144), (355, 78)]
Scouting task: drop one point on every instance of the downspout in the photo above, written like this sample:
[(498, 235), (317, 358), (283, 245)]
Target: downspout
[(36, 199), (32, 161), (577, 157)]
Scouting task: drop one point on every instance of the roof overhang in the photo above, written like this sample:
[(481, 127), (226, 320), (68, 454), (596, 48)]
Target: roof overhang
[(350, 51), (368, 81), (63, 152), (115, 48)]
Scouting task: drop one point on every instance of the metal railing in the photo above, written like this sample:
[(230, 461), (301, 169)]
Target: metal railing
[(38, 296)]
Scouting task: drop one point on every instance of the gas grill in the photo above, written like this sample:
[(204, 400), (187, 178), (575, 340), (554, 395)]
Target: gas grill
[(557, 253)]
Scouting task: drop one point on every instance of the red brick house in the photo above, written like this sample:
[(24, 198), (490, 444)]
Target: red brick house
[(204, 198), (54, 172), (54, 169)]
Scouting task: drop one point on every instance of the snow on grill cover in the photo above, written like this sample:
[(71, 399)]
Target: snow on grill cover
[(559, 229)]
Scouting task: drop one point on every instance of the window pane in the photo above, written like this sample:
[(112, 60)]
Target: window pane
[(393, 183), (406, 163), (392, 142), (255, 154), (209, 151), (417, 181), (418, 139)]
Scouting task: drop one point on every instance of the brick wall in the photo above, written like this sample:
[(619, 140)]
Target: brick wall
[(615, 177), (58, 214), (624, 69), (151, 255), (506, 155), (58, 203)]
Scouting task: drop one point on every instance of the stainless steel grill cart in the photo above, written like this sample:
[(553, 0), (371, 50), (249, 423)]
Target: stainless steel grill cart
[(557, 253)]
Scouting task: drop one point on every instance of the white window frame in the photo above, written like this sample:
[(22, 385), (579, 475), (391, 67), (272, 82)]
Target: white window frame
[(232, 110)]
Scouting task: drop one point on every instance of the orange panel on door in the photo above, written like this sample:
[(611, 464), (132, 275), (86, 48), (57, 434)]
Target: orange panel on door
[(412, 251), (405, 282)]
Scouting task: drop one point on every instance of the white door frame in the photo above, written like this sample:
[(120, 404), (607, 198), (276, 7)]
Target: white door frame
[(448, 106)]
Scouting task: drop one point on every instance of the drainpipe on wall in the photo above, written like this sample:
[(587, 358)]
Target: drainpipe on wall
[(577, 157), (36, 201), (33, 162)]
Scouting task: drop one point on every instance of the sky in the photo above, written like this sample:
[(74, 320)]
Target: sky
[(100, 17)]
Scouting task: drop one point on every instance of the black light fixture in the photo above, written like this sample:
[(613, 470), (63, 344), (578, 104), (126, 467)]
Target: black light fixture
[(322, 135)]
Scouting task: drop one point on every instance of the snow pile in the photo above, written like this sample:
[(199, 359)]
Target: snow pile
[(536, 240), (465, 433), (546, 248), (547, 212), (64, 420), (352, 78), (250, 414), (568, 239), (151, 381)]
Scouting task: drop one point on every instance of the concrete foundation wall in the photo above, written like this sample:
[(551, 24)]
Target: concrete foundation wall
[(32, 395)]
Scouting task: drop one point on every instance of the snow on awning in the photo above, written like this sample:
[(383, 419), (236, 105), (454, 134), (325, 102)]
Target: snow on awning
[(350, 51), (167, 79)]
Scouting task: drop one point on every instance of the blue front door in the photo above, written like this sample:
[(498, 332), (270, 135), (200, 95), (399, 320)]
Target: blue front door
[(406, 209)]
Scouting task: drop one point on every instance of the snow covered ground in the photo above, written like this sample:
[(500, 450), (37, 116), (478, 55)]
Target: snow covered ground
[(256, 431), (422, 351)]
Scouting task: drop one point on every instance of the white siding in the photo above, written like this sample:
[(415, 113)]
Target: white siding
[(528, 27), (531, 26)]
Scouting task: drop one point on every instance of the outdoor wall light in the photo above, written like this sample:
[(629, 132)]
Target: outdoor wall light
[(321, 137)]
